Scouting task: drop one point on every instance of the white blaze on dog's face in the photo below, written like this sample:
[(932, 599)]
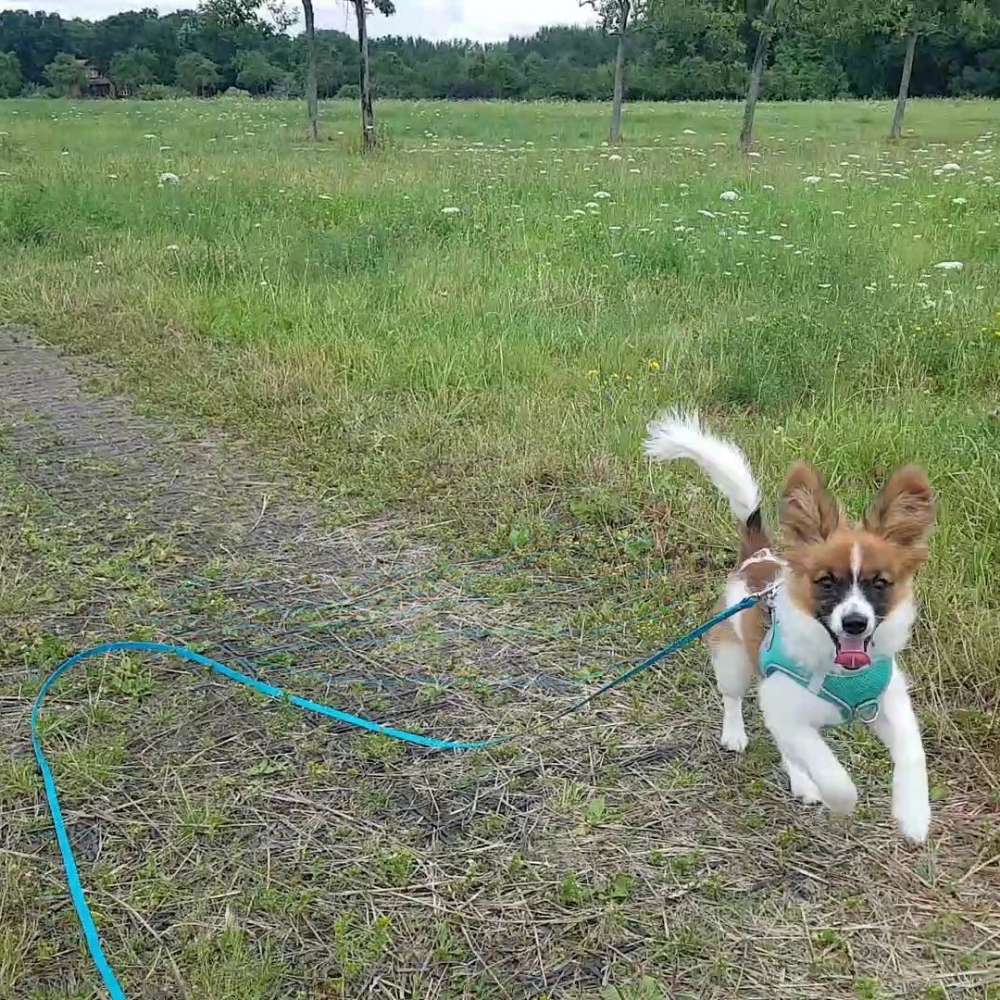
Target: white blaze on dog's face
[(855, 579)]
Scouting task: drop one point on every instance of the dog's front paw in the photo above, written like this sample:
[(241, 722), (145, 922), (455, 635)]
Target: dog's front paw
[(913, 819), (734, 738), (840, 797), (801, 785)]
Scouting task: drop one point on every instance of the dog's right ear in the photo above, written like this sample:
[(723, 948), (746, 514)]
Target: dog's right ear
[(808, 513)]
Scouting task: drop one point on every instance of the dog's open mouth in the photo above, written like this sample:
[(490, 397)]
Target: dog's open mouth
[(852, 652)]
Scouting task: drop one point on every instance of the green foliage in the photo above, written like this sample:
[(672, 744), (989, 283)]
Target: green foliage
[(255, 72), (681, 49), (133, 68), (66, 74), (196, 73), (10, 75)]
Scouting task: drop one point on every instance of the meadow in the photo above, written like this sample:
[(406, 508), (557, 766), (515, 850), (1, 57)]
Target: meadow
[(463, 337)]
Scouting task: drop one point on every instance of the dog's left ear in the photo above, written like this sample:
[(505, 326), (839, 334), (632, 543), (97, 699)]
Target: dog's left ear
[(904, 510)]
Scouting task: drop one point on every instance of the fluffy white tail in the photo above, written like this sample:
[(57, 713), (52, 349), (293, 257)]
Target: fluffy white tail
[(680, 435)]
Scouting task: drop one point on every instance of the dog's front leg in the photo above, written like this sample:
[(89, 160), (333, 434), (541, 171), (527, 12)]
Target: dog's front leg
[(898, 729), (794, 716)]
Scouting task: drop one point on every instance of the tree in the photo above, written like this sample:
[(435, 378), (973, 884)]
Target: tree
[(618, 18), (66, 74), (255, 73), (246, 14), (494, 73), (369, 138), (131, 69), (686, 49), (312, 85), (231, 13), (916, 18), (10, 75), (694, 50), (196, 73), (764, 30)]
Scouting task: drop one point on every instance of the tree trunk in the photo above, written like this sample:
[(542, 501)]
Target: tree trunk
[(619, 92), (312, 98), (756, 74), (904, 87), (369, 139)]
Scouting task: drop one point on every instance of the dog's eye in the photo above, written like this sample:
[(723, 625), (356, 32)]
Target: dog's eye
[(881, 583), (825, 583)]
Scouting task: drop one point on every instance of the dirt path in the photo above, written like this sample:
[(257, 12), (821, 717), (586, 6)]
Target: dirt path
[(123, 478), (240, 850)]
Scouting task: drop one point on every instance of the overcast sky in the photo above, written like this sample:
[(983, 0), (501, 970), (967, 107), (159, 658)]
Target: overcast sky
[(482, 20)]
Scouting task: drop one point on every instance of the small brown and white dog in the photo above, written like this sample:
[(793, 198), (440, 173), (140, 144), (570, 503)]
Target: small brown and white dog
[(842, 610)]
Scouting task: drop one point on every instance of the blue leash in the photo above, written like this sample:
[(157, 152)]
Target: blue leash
[(90, 932)]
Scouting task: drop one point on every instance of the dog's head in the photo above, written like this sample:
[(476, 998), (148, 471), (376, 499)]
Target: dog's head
[(855, 579)]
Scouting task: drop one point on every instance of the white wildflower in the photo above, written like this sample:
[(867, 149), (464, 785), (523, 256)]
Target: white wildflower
[(450, 210), (959, 201), (602, 194), (169, 178), (949, 265), (811, 179), (950, 166), (729, 196), (172, 246)]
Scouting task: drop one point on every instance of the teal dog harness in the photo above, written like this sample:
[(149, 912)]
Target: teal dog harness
[(855, 695)]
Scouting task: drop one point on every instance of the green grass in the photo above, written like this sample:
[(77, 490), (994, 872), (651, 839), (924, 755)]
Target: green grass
[(494, 368), (481, 381)]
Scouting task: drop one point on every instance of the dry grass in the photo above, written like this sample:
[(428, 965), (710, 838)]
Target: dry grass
[(454, 532), (237, 849)]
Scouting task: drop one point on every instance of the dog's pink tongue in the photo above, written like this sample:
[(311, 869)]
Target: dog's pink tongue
[(851, 652)]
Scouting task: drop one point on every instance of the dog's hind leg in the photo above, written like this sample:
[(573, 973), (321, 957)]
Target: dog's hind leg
[(733, 675)]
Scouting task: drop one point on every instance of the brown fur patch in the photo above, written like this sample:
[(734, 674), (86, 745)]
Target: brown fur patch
[(808, 512), (753, 622), (753, 626), (904, 510), (754, 536)]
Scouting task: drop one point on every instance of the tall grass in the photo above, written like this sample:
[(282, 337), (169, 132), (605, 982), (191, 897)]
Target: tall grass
[(496, 365)]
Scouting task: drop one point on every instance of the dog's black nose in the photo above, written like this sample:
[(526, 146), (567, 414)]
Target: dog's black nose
[(855, 624)]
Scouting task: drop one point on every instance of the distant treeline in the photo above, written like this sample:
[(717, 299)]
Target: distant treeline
[(677, 58)]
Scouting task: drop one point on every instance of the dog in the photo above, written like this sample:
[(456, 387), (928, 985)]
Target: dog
[(840, 608)]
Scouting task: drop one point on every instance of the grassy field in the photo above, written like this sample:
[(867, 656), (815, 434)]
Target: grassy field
[(451, 349)]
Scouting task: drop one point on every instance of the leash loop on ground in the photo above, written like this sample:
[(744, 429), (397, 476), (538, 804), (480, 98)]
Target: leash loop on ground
[(76, 891)]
